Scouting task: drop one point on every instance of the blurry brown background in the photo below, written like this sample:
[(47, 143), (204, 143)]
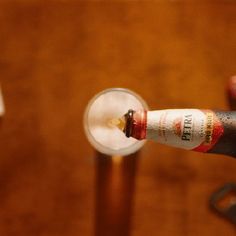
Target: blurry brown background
[(54, 56)]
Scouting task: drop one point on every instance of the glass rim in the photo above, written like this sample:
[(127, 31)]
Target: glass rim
[(97, 145)]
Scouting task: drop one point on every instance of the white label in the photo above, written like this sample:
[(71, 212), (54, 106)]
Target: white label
[(184, 128)]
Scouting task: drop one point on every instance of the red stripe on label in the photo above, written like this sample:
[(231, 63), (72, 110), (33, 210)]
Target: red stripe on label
[(212, 133)]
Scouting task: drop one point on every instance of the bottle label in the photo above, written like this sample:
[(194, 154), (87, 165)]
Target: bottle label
[(190, 129)]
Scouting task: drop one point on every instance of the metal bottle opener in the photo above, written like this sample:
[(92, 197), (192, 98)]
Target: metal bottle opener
[(223, 201)]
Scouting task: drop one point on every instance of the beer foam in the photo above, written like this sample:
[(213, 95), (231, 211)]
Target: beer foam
[(107, 106)]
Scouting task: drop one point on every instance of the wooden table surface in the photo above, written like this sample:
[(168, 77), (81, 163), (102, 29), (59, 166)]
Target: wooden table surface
[(55, 55)]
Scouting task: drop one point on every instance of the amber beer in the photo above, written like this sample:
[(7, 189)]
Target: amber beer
[(192, 129)]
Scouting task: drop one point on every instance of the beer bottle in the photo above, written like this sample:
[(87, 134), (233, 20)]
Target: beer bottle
[(192, 129)]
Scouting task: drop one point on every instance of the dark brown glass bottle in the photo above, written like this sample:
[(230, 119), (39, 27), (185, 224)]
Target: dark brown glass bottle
[(227, 142), (191, 129)]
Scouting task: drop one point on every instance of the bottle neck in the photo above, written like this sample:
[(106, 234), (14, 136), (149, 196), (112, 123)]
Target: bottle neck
[(136, 123), (191, 129)]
